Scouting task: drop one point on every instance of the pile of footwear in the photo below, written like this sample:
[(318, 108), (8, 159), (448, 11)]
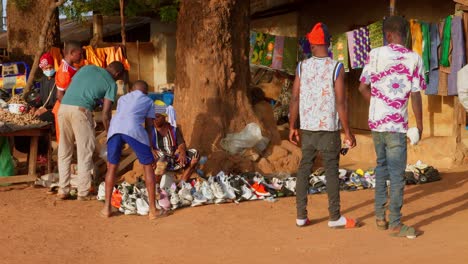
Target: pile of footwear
[(222, 188), (349, 180), (420, 173)]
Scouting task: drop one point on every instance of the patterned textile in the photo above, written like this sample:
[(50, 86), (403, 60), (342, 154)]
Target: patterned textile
[(259, 49), (267, 56), (317, 107), (359, 46), (376, 35), (252, 40), (393, 72), (278, 53), (416, 36), (340, 50), (290, 54), (281, 108)]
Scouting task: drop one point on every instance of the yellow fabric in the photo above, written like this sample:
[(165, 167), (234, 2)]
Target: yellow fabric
[(92, 57), (159, 102), (417, 36), (116, 54), (57, 56)]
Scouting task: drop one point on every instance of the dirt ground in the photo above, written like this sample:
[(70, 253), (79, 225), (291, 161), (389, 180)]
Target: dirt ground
[(34, 228)]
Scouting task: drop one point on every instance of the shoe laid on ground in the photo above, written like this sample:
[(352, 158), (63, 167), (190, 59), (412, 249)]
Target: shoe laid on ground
[(260, 190), (290, 184), (236, 184), (206, 191), (228, 190), (356, 180), (404, 231), (217, 189), (277, 184), (247, 193), (315, 181), (142, 206), (198, 199), (185, 192), (174, 198), (164, 200), (342, 174), (370, 179), (101, 195)]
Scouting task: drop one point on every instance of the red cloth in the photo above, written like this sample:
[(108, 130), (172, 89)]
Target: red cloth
[(46, 60), (319, 35)]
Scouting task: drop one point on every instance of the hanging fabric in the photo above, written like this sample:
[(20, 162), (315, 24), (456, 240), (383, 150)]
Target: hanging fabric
[(340, 50), (278, 53), (458, 54), (376, 34), (426, 47), (433, 84), (416, 36), (446, 37)]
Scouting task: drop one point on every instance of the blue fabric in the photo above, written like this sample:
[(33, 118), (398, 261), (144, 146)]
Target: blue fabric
[(132, 110), (433, 85), (114, 149), (391, 164)]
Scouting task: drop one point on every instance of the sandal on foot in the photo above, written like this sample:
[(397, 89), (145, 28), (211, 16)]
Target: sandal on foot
[(404, 231), (350, 223), (381, 224)]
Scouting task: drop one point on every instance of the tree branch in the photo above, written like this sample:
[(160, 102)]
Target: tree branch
[(41, 47)]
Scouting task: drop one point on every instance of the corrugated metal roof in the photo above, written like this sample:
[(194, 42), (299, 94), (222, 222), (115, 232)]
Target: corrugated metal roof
[(70, 30)]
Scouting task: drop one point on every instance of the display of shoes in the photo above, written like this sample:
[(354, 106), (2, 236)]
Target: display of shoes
[(260, 189), (198, 199)]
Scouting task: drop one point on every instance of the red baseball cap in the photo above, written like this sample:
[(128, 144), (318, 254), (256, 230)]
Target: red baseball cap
[(319, 35)]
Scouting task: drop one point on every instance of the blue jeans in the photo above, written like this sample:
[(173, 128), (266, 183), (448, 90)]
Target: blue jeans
[(391, 163)]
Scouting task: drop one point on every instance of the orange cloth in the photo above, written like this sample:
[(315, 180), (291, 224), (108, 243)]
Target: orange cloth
[(417, 37), (92, 57), (55, 52), (63, 79), (116, 54)]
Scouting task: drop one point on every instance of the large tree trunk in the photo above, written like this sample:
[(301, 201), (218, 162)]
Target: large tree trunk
[(212, 72)]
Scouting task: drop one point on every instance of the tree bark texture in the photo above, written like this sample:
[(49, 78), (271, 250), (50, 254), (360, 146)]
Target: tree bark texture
[(212, 71)]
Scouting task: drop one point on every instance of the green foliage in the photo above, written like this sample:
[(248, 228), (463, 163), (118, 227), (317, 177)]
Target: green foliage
[(74, 9)]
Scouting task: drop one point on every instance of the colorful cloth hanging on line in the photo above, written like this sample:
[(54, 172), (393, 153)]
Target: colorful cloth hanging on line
[(416, 36), (376, 34), (359, 47), (458, 54), (340, 50), (278, 53)]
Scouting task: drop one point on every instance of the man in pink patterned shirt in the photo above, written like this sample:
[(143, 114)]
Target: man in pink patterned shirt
[(390, 77)]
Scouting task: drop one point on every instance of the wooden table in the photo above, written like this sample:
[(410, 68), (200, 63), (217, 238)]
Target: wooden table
[(34, 133)]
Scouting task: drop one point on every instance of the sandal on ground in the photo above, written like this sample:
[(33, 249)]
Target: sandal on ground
[(307, 223), (350, 223), (381, 224), (404, 231)]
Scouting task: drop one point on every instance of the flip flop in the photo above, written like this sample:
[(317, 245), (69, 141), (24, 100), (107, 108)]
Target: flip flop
[(350, 223)]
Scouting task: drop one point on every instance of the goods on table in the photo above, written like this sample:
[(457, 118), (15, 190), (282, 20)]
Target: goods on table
[(20, 120)]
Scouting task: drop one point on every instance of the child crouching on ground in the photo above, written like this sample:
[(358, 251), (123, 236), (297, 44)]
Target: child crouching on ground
[(133, 109)]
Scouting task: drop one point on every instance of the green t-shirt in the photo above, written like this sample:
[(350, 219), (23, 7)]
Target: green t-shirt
[(89, 84)]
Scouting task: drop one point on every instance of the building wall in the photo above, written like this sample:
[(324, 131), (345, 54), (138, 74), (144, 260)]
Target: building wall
[(163, 37), (282, 25), (342, 16)]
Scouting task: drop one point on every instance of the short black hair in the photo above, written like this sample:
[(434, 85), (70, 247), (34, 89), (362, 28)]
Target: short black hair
[(396, 24), (70, 46), (116, 67), (141, 83)]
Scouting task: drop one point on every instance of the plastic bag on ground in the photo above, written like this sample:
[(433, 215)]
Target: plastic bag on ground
[(235, 143)]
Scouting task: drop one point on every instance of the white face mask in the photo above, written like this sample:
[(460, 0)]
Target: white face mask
[(49, 73)]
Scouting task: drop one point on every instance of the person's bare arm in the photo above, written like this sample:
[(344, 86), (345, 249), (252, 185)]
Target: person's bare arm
[(149, 127), (60, 95), (416, 103), (294, 111), (342, 109), (365, 90), (106, 113)]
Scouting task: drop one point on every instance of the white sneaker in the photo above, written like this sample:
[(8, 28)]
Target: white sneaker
[(216, 189), (142, 207), (247, 193), (277, 183), (227, 188), (185, 192), (198, 199), (206, 191), (290, 184), (101, 195)]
